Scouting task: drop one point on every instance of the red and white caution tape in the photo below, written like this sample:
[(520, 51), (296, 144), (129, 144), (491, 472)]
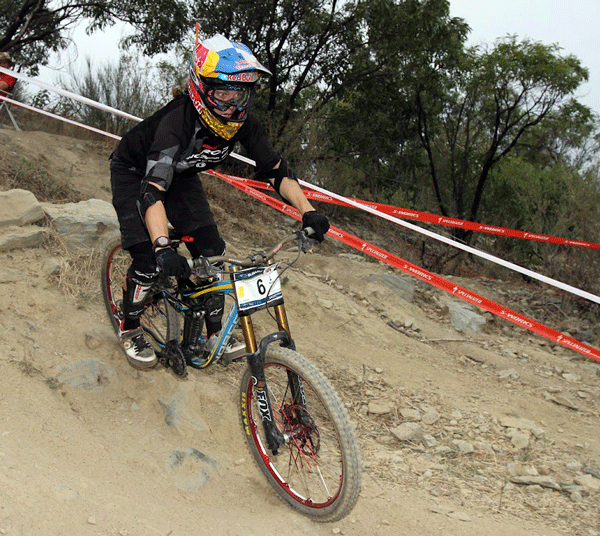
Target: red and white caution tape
[(369, 207), (424, 275), (54, 116)]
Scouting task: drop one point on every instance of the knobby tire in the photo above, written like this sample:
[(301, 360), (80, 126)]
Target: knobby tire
[(318, 471)]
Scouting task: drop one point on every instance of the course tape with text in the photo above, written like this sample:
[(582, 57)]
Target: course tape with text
[(436, 219), (377, 252), (424, 275)]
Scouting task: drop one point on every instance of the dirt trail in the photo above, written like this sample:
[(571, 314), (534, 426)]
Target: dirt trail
[(99, 458)]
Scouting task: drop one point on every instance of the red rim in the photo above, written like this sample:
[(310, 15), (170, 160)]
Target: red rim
[(300, 455)]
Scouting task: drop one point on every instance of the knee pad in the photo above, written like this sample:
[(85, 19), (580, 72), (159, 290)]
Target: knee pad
[(207, 242)]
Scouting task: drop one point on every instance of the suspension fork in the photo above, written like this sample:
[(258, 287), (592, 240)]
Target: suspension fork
[(294, 381), (256, 362)]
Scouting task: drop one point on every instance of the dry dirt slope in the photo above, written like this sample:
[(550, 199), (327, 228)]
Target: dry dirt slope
[(86, 447)]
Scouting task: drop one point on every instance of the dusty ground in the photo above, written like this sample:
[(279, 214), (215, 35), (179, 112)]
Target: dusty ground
[(498, 408)]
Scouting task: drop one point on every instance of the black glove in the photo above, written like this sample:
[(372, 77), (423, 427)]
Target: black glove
[(171, 263), (318, 222)]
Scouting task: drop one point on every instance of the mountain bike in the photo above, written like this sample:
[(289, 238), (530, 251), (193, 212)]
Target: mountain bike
[(294, 423)]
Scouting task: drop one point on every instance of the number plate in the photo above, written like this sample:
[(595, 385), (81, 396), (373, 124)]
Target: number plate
[(256, 288)]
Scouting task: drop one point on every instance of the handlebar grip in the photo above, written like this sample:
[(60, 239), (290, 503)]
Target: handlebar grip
[(308, 231)]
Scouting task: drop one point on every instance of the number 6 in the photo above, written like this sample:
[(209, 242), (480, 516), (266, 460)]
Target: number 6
[(261, 288)]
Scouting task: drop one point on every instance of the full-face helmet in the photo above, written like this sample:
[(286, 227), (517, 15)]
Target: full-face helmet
[(222, 77)]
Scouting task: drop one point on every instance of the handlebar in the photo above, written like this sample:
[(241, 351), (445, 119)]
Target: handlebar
[(302, 237)]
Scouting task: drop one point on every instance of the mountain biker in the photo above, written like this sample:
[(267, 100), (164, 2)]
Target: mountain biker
[(154, 180)]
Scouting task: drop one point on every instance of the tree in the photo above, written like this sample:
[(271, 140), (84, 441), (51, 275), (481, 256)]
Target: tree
[(30, 29), (373, 126), (307, 45), (569, 134), (133, 85), (496, 97)]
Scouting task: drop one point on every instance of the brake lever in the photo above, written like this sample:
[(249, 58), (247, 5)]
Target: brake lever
[(306, 243), (203, 268)]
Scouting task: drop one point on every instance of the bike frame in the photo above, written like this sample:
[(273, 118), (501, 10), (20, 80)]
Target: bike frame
[(255, 352), (287, 406)]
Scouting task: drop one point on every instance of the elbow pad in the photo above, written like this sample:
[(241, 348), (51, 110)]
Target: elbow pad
[(149, 196), (277, 175)]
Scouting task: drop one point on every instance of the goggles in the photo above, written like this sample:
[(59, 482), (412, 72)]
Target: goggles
[(224, 96)]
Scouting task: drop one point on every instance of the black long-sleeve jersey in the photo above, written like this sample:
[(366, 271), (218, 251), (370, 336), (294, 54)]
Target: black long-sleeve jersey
[(173, 141)]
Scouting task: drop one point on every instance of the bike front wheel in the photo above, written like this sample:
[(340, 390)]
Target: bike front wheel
[(317, 471), (159, 320)]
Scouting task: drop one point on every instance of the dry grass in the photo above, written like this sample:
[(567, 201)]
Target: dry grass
[(31, 176), (79, 275)]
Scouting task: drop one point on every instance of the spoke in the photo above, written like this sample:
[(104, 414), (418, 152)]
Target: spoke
[(303, 465)]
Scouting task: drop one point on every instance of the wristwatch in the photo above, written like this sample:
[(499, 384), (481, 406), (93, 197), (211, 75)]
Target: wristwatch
[(161, 242)]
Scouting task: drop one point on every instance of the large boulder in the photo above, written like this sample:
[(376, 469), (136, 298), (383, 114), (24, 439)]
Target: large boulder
[(81, 225), (28, 236), (18, 208)]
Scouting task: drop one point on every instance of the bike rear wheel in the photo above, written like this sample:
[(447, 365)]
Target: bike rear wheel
[(159, 320), (317, 471)]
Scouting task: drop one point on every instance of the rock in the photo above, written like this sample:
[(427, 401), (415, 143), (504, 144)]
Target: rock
[(403, 287), (570, 377), (429, 441), (179, 415), (410, 414), (52, 266), (464, 318), (518, 469), (29, 236), (408, 431), (563, 401), (189, 469), (19, 207), (409, 322), (588, 481), (541, 480), (575, 466), (464, 446), (87, 374), (511, 374), (520, 440), (380, 408), (326, 304), (431, 416), (592, 471), (576, 496), (522, 424), (81, 225), (484, 447)]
